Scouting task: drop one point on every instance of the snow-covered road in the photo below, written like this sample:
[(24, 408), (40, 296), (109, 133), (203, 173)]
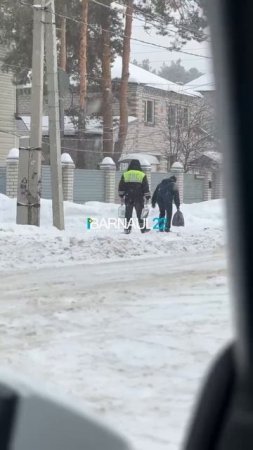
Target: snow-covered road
[(131, 340)]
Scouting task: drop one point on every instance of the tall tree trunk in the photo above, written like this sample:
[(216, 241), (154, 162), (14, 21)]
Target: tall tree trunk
[(83, 54), (63, 45), (83, 82), (107, 91), (123, 125)]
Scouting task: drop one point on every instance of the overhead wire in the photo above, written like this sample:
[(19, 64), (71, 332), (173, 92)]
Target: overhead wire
[(135, 39), (148, 19), (130, 37)]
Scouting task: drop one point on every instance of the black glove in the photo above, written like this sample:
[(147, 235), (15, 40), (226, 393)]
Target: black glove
[(153, 205)]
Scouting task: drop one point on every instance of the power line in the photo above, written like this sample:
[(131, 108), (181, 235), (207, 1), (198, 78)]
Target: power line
[(147, 20), (130, 37), (165, 84)]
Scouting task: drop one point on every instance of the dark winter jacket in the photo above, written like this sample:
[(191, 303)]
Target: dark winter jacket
[(133, 185), (166, 192)]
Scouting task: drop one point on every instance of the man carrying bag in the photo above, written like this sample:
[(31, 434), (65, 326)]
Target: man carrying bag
[(166, 192)]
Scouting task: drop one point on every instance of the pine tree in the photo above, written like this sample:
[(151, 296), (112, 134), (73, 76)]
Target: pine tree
[(182, 18), (177, 73), (123, 124)]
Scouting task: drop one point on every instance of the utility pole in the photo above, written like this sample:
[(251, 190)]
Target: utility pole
[(53, 107), (29, 183)]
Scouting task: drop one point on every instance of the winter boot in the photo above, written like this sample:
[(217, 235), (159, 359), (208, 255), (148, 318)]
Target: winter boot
[(145, 230)]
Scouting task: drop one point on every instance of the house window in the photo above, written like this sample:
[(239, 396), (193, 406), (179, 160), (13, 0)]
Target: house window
[(178, 116), (182, 116), (172, 116), (149, 112)]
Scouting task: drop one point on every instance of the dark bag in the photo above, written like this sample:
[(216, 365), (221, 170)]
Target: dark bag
[(178, 219)]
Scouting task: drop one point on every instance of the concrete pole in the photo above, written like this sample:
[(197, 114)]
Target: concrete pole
[(177, 169), (53, 117), (109, 167), (28, 199)]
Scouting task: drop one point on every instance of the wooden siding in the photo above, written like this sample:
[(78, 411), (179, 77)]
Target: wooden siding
[(7, 113)]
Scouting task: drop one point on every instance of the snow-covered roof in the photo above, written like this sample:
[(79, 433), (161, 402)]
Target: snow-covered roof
[(204, 83), (142, 157), (142, 76), (208, 157), (215, 156), (94, 125), (69, 127)]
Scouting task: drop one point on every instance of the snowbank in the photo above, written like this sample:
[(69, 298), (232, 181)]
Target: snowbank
[(22, 246)]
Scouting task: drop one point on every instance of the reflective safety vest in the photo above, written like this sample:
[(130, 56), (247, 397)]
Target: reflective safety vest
[(133, 176)]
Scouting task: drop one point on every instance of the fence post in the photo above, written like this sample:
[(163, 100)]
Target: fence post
[(177, 169), (12, 173), (109, 167), (68, 172), (218, 187), (207, 185)]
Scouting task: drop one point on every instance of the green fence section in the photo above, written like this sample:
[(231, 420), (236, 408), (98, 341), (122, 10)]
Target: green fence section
[(193, 189), (89, 185), (2, 180)]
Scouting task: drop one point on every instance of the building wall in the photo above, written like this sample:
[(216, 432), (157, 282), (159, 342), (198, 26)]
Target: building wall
[(7, 113), (142, 137), (152, 138), (209, 100)]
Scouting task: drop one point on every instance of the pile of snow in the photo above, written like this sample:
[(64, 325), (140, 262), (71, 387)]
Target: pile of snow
[(22, 246)]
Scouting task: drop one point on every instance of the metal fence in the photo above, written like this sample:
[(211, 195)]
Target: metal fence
[(157, 177), (89, 185), (46, 191), (2, 180), (193, 189)]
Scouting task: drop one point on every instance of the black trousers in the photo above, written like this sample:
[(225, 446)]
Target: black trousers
[(166, 215), (130, 205)]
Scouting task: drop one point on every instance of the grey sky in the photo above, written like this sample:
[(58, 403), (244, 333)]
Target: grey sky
[(157, 56)]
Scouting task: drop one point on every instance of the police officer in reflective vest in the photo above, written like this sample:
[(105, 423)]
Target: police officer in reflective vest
[(134, 189)]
